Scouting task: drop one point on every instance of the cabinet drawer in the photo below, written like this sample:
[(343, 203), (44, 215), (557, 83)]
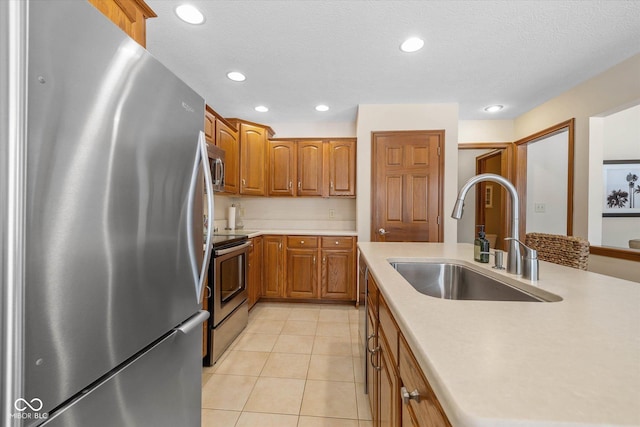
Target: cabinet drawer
[(337, 242), (302, 242), (428, 411)]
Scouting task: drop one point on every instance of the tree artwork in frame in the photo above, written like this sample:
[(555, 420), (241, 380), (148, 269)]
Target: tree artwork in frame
[(621, 179)]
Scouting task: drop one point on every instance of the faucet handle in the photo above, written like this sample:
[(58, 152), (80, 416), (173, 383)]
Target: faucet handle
[(530, 265)]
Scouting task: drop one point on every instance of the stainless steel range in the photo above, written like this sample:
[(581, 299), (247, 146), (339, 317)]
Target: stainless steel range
[(228, 293)]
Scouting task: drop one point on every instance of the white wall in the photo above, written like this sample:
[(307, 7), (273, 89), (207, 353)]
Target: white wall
[(467, 169), (547, 184), (485, 131), (609, 91), (406, 117), (312, 130), (621, 141), (620, 85)]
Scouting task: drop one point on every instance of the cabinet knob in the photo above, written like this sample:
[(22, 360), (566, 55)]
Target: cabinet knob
[(302, 242), (406, 396), (337, 243)]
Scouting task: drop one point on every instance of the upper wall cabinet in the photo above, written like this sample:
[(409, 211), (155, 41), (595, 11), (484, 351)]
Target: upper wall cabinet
[(314, 168), (129, 15), (342, 168), (253, 156), (223, 134)]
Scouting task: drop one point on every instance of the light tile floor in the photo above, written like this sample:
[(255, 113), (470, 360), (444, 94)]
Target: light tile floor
[(295, 365)]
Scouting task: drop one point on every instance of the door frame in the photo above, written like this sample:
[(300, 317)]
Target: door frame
[(441, 176)]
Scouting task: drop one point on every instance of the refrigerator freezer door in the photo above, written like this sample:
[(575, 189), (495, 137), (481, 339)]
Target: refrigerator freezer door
[(112, 140), (124, 399)]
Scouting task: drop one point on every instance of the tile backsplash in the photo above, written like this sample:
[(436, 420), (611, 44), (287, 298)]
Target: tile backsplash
[(275, 213)]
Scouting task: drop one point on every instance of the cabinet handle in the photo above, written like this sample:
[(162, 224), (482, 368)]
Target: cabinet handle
[(406, 396), (280, 245), (331, 185), (369, 348), (208, 292), (377, 368), (324, 260), (244, 182), (314, 260), (290, 185), (299, 185)]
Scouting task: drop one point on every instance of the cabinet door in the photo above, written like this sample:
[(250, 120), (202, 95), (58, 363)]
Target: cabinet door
[(337, 274), (129, 15), (282, 168), (209, 126), (310, 168), (302, 273), (342, 168), (255, 271), (389, 402), (226, 138), (253, 157), (273, 271), (371, 361)]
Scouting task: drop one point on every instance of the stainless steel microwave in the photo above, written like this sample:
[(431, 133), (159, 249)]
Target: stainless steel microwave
[(216, 163)]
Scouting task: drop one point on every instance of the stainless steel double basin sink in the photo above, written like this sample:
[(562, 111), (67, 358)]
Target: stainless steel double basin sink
[(453, 281)]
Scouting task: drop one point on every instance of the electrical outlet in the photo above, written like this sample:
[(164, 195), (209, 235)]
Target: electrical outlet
[(332, 213), (539, 207)]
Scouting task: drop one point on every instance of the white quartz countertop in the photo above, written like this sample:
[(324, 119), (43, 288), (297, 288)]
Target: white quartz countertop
[(293, 232), (575, 362)]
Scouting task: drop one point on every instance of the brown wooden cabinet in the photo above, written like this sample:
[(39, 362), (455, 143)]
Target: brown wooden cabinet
[(312, 168), (338, 268), (254, 285), (309, 267), (253, 156), (302, 267), (399, 393), (282, 168), (129, 15), (273, 266), (223, 134), (342, 168)]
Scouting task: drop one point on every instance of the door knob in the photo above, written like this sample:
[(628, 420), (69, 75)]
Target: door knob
[(382, 231)]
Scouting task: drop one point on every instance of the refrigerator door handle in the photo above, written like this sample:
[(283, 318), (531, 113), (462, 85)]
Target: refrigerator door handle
[(194, 321), (202, 159)]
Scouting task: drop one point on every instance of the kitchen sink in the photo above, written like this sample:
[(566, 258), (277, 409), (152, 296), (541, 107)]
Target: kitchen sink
[(459, 282)]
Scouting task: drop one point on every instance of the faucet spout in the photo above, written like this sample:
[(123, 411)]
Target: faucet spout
[(513, 258)]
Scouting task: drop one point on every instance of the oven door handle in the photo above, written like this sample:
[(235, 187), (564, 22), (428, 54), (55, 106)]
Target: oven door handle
[(201, 159), (221, 252)]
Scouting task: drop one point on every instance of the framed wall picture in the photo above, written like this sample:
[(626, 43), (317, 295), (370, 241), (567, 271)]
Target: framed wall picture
[(621, 179)]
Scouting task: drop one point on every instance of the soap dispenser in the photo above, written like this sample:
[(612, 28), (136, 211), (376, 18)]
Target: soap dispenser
[(481, 247)]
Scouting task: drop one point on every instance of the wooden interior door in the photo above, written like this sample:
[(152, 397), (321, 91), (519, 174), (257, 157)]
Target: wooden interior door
[(407, 180), (493, 204)]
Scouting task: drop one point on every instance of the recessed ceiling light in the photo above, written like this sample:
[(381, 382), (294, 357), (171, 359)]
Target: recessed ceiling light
[(412, 44), (493, 108), (189, 14), (236, 76), (322, 107), (261, 109)]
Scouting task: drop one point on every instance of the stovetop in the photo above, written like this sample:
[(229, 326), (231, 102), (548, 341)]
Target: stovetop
[(225, 240)]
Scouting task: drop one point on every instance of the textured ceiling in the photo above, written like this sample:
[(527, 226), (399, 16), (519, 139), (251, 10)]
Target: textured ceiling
[(297, 54)]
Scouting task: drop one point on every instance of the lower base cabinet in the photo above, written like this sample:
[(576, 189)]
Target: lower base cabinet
[(399, 393), (309, 268), (254, 282)]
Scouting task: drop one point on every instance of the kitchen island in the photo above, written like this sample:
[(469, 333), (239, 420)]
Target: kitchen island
[(505, 363)]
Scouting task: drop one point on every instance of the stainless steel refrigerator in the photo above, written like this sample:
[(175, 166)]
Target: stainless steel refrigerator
[(102, 260)]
